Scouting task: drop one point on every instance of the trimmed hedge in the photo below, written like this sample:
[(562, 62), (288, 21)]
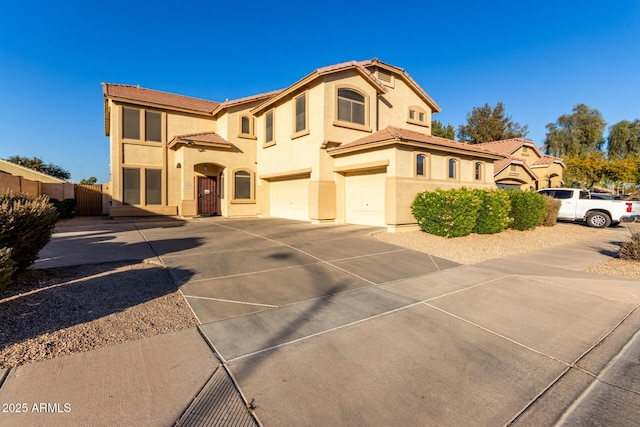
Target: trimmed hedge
[(26, 226), (447, 213), (493, 215), (527, 209)]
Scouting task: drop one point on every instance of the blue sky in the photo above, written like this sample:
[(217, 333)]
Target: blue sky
[(538, 58)]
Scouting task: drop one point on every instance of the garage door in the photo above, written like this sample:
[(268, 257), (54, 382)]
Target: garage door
[(365, 198), (290, 199)]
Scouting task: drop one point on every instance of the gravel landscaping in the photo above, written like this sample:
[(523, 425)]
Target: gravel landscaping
[(476, 248), (53, 312)]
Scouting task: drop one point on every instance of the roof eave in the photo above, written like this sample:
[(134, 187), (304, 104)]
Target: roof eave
[(157, 105)]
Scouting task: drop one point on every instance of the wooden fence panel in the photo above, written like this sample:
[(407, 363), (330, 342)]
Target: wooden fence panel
[(88, 199)]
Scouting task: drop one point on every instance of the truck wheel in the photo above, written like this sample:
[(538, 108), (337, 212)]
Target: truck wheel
[(598, 220)]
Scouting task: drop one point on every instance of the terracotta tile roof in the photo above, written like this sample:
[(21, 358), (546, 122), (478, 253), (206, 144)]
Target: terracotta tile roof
[(547, 160), (244, 100), (391, 133), (507, 146), (500, 165), (136, 93), (210, 137)]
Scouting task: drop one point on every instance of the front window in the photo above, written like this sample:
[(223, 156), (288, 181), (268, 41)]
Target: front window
[(269, 126), (153, 126), (131, 123), (453, 165), (242, 185), (351, 106), (417, 116), (131, 186), (246, 126), (301, 113), (420, 165), (478, 171), (153, 186)]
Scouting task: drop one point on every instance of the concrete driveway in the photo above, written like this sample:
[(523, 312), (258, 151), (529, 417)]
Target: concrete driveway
[(323, 325)]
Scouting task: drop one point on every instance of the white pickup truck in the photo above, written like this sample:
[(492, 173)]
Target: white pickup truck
[(577, 205)]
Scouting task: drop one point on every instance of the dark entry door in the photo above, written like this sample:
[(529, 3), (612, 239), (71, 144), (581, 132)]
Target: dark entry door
[(207, 196)]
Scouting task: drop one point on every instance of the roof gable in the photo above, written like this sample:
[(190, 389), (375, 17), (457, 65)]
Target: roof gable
[(507, 147), (321, 72)]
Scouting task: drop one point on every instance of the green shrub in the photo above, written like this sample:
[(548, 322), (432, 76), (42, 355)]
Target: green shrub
[(631, 248), (446, 213), (493, 215), (7, 267), (527, 209), (66, 208), (552, 208), (26, 225)]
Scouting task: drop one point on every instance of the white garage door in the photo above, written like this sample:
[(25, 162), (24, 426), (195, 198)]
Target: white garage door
[(365, 199), (290, 199)]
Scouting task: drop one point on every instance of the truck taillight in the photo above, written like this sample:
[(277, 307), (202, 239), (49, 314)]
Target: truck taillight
[(629, 206)]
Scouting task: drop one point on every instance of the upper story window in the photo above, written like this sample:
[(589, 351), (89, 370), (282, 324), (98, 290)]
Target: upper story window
[(421, 165), (351, 106), (417, 116), (269, 134), (152, 126), (453, 169), (300, 112), (131, 124), (246, 126), (477, 170)]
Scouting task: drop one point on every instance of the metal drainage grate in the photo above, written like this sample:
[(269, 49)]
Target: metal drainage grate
[(217, 404)]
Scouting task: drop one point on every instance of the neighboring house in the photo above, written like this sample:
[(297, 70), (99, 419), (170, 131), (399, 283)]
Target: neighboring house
[(347, 143), (524, 167)]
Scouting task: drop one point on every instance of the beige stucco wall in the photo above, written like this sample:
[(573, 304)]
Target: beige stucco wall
[(520, 177), (394, 108), (149, 155)]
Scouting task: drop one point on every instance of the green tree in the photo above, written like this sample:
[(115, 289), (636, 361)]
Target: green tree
[(438, 129), (485, 124), (90, 180), (37, 164), (576, 134), (624, 139), (588, 169)]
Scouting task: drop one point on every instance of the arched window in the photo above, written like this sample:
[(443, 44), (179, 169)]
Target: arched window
[(421, 165), (351, 106), (477, 171), (453, 166), (246, 126), (242, 185)]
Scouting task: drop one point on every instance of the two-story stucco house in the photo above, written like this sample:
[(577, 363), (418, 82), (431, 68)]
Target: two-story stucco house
[(524, 167), (347, 143)]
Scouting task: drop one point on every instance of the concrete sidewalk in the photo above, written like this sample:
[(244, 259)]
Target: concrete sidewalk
[(327, 327)]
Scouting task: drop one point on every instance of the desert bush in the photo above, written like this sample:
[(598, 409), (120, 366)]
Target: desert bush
[(493, 214), (631, 248), (446, 213), (552, 208), (26, 225), (66, 208), (527, 209)]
